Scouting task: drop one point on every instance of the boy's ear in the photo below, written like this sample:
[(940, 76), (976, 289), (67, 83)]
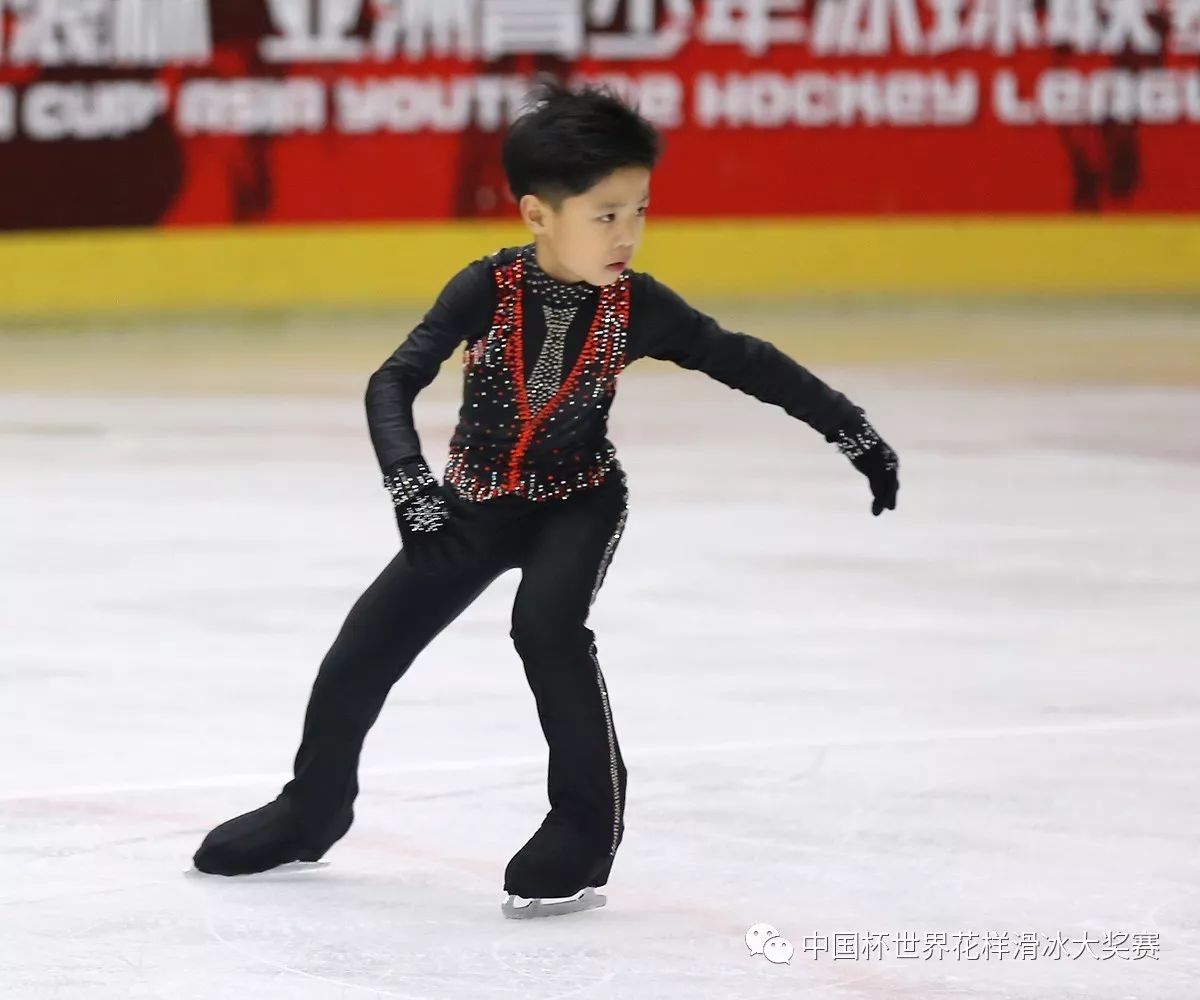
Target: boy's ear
[(534, 213)]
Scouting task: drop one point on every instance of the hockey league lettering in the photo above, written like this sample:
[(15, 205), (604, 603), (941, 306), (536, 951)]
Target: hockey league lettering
[(839, 106), (325, 33)]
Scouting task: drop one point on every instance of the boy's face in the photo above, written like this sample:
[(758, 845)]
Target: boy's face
[(594, 235)]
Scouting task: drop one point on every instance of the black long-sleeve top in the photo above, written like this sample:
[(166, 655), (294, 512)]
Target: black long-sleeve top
[(506, 446)]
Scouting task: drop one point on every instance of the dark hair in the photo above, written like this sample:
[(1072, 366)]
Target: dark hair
[(570, 139)]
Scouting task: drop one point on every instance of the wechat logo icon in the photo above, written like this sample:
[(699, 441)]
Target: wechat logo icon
[(765, 940)]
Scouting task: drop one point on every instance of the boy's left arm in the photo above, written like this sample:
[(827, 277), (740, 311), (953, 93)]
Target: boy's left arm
[(668, 328)]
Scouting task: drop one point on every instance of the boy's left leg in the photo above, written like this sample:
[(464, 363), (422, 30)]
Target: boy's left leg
[(561, 575)]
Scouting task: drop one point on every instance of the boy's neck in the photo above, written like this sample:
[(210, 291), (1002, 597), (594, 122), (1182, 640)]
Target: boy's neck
[(549, 264)]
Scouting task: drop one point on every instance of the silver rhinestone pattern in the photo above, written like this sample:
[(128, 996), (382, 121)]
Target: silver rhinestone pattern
[(406, 484), (862, 441), (411, 489), (551, 291), (612, 751), (612, 544), (604, 702), (548, 370), (425, 513), (857, 444)]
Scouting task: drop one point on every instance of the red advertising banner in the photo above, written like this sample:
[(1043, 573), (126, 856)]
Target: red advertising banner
[(179, 112)]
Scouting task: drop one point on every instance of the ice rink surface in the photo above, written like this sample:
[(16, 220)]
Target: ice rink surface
[(974, 717)]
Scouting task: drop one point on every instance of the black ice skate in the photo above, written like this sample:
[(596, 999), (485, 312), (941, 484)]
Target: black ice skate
[(265, 838), (556, 872)]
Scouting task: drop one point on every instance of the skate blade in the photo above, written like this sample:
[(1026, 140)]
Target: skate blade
[(291, 866), (519, 908)]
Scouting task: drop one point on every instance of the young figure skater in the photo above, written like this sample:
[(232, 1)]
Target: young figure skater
[(532, 483)]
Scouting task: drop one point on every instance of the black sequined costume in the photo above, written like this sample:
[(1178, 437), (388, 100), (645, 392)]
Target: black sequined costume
[(535, 480), (503, 446)]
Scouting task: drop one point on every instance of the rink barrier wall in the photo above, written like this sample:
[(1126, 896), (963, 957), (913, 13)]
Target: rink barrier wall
[(88, 271)]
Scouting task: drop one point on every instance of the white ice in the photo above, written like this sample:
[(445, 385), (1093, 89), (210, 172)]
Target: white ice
[(978, 714)]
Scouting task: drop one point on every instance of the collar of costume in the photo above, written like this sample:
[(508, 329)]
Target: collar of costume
[(551, 291)]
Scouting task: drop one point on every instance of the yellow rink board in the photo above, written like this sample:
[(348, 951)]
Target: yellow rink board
[(333, 351), (121, 271)]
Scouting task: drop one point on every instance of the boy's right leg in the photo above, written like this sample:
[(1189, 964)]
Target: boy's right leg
[(394, 619)]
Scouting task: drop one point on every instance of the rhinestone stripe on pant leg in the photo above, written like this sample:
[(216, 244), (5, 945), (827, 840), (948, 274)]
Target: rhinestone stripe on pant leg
[(608, 720)]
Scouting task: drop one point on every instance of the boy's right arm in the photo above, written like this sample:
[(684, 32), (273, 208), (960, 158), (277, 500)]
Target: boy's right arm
[(463, 306), (422, 514)]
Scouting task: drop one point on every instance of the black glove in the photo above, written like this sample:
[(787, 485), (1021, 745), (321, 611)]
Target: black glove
[(872, 456), (430, 533)]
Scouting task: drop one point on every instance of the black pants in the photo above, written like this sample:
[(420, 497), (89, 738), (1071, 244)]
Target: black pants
[(562, 548)]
